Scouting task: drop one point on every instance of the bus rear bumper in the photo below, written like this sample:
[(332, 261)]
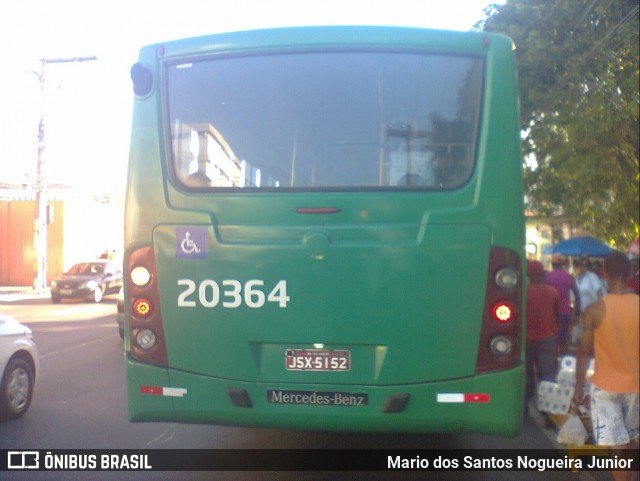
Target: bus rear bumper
[(488, 403)]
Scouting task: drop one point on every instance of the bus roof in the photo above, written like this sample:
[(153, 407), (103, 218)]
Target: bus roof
[(335, 36)]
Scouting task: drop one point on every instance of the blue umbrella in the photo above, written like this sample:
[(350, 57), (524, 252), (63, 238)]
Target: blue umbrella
[(582, 246)]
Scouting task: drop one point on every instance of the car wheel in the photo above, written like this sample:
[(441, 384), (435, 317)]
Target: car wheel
[(16, 389), (55, 300), (97, 295)]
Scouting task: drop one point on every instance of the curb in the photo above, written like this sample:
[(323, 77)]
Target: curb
[(13, 295)]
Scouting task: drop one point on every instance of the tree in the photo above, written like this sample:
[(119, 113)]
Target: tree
[(578, 71)]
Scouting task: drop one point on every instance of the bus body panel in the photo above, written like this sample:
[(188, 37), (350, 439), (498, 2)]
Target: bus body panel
[(206, 401), (395, 278), (380, 299)]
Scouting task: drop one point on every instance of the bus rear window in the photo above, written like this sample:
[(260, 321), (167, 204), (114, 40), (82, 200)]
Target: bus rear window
[(324, 120)]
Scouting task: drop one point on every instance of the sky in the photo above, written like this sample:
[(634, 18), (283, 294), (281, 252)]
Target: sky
[(86, 106)]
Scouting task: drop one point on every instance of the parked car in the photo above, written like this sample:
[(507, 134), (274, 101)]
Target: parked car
[(120, 313), (19, 363), (88, 280)]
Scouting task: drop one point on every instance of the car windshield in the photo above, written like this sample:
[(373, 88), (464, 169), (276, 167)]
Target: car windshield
[(325, 120), (86, 268)]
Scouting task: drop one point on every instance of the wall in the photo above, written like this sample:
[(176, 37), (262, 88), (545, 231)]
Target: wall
[(17, 254)]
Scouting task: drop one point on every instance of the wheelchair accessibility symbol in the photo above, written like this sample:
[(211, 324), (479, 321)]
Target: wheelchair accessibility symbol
[(191, 242), (187, 245)]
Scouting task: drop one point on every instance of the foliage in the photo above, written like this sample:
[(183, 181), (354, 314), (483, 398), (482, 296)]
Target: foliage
[(578, 70)]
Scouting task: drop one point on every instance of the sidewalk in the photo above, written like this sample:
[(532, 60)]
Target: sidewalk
[(19, 293)]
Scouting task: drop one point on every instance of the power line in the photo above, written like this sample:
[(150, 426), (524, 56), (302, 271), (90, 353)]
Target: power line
[(617, 27), (586, 12)]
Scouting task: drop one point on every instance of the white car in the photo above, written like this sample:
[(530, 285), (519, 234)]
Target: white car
[(19, 363)]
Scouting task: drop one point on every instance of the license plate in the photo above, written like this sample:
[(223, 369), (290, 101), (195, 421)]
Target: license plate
[(66, 292), (317, 360)]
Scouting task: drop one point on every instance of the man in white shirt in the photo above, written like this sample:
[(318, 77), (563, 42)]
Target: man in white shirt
[(590, 288)]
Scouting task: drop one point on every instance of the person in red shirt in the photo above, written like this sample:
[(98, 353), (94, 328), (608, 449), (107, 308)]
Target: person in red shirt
[(564, 284), (543, 316)]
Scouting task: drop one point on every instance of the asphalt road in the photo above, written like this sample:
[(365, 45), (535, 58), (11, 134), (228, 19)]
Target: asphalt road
[(80, 403)]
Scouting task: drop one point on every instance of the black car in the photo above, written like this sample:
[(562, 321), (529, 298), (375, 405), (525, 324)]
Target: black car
[(88, 280)]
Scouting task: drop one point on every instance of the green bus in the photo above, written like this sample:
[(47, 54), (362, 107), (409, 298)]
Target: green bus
[(324, 230)]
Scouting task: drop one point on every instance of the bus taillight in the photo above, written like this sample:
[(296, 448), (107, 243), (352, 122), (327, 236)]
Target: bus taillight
[(146, 332), (142, 308), (500, 337), (506, 278), (140, 276), (501, 345), (503, 312), (146, 339)]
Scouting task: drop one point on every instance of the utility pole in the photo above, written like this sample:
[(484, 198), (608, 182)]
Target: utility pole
[(40, 236)]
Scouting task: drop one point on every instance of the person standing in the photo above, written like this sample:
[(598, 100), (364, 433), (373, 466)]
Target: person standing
[(589, 284), (542, 314), (590, 288), (564, 283), (612, 328)]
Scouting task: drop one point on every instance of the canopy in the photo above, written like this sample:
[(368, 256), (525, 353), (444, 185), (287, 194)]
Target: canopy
[(582, 246)]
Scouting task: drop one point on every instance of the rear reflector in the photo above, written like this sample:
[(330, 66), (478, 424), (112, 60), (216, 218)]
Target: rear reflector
[(458, 397), (163, 391)]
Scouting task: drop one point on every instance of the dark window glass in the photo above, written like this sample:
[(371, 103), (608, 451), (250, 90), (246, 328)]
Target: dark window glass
[(330, 120)]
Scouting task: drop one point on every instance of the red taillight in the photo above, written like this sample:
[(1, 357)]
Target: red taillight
[(501, 333), (503, 312)]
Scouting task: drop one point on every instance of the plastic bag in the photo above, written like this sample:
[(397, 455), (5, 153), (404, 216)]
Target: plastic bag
[(572, 431)]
